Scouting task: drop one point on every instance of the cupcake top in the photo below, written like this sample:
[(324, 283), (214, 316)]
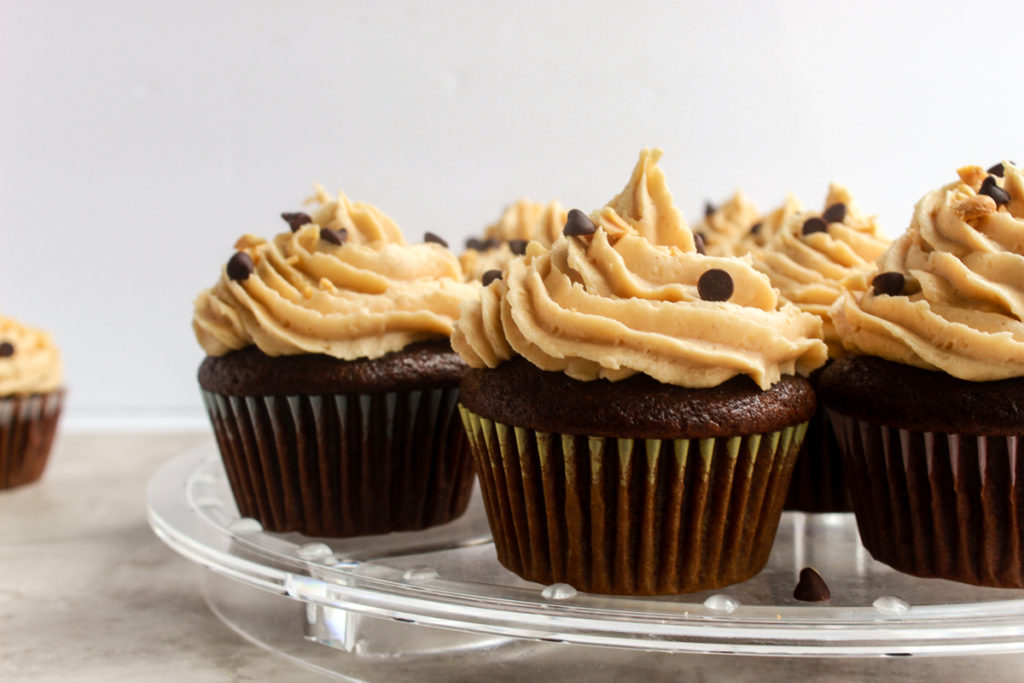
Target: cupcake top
[(949, 293), (521, 222), (724, 227), (342, 282), (813, 252), (29, 361), (761, 232), (624, 291)]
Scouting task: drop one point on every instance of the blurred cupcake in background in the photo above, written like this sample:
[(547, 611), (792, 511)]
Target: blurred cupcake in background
[(761, 232), (521, 222), (724, 226), (31, 398)]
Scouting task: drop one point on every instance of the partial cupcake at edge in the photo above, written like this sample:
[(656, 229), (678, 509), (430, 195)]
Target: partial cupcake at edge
[(928, 404), (634, 407), (329, 378), (521, 222), (31, 398)]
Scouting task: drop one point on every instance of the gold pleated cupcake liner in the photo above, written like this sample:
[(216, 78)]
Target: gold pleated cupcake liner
[(631, 516), (938, 505), (27, 427), (344, 464)]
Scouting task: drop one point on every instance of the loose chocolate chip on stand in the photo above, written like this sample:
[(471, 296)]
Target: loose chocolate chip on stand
[(813, 225), (578, 223), (755, 228), (296, 220), (6, 349), (334, 236), (517, 247), (698, 243), (475, 243), (835, 213), (811, 587), (890, 283), (240, 266), (989, 188), (490, 276), (709, 209), (436, 239), (715, 285)]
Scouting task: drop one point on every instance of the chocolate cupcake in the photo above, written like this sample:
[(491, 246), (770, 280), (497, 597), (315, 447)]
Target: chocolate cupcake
[(807, 259), (31, 398), (329, 378), (632, 406), (521, 222), (928, 413)]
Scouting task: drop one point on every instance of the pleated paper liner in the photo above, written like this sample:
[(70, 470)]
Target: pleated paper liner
[(27, 427), (344, 464), (818, 484), (938, 505), (632, 516)]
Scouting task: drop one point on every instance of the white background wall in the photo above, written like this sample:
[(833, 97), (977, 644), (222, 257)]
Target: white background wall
[(139, 140)]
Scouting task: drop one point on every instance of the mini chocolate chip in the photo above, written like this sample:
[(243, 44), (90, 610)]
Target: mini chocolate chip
[(296, 220), (436, 239), (755, 228), (890, 283), (240, 266), (491, 243), (992, 190), (334, 236), (578, 223), (698, 243), (835, 213), (715, 285), (999, 169), (813, 225), (811, 587), (490, 276), (475, 243), (517, 247), (6, 349), (709, 209)]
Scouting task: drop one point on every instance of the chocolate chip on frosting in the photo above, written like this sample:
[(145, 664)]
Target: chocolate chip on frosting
[(578, 223), (517, 247), (755, 228), (490, 276), (698, 243), (475, 243), (334, 236), (709, 209), (240, 266), (715, 285), (6, 349), (813, 225), (436, 239), (835, 213), (296, 220), (999, 169), (811, 587), (890, 283), (989, 188), (491, 243)]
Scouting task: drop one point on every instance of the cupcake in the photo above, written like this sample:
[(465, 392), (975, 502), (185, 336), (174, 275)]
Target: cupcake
[(761, 232), (724, 226), (329, 378), (31, 398), (521, 222), (806, 259), (929, 410), (634, 408)]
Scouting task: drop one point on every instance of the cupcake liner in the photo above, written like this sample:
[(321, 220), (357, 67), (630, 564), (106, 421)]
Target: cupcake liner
[(631, 516), (818, 484), (937, 505), (344, 464), (27, 427)]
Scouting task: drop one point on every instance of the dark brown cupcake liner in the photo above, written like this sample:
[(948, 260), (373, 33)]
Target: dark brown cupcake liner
[(631, 516), (344, 464), (27, 427), (818, 484), (937, 505)]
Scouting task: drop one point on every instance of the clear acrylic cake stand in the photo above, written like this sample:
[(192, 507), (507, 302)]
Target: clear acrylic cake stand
[(436, 605)]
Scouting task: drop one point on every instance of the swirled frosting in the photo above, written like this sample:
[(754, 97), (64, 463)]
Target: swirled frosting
[(523, 220), (724, 227), (373, 294), (808, 268), (961, 307), (613, 303), (29, 360), (761, 232)]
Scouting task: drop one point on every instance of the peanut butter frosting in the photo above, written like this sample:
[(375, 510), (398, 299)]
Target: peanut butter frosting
[(949, 293), (522, 221), (761, 232), (344, 282), (724, 227), (29, 360), (607, 302), (813, 252)]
